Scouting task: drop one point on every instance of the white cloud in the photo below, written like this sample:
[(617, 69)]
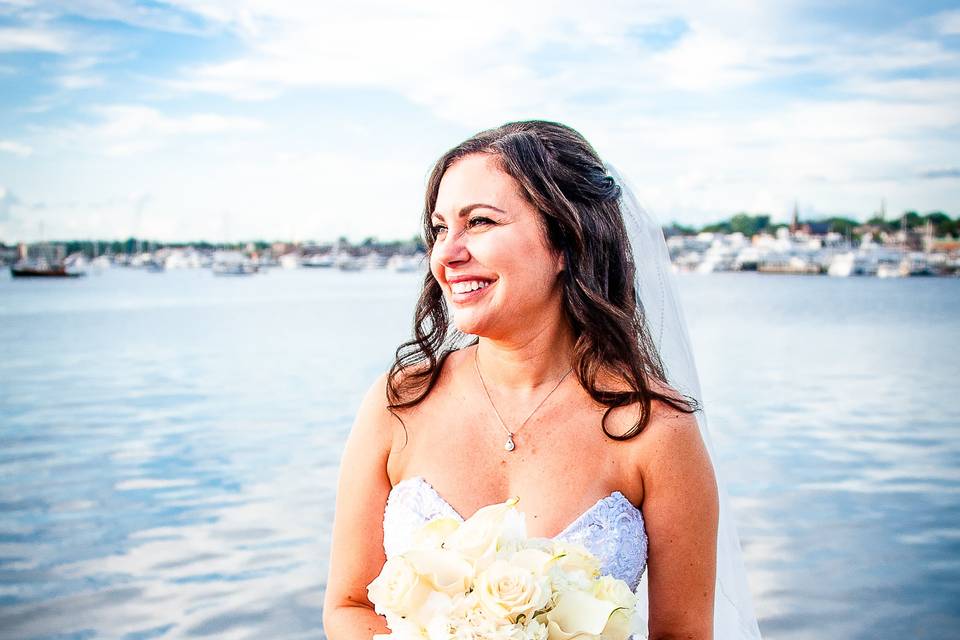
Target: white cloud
[(704, 61), (125, 130), (133, 120), (33, 39), (7, 201), (948, 22), (79, 81), (16, 148)]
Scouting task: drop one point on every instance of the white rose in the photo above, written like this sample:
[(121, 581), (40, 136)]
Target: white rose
[(480, 536), (570, 557), (398, 589), (508, 591), (536, 561), (442, 570), (615, 591)]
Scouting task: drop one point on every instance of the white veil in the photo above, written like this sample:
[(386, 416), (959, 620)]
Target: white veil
[(734, 618)]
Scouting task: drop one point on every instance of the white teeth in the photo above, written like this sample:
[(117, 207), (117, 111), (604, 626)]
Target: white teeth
[(465, 287)]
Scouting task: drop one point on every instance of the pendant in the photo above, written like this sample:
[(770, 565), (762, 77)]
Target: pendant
[(508, 445)]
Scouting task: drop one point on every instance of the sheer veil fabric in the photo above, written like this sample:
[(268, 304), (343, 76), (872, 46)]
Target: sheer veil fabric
[(734, 618)]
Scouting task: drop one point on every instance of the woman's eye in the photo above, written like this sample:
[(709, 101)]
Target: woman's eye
[(437, 228), (480, 220)]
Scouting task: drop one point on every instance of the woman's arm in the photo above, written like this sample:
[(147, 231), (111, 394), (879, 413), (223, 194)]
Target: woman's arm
[(356, 550), (680, 510)]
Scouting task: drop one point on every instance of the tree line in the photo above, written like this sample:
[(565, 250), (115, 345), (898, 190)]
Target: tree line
[(749, 225), (745, 223)]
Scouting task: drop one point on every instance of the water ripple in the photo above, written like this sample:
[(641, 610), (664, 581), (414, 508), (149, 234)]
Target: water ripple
[(169, 444)]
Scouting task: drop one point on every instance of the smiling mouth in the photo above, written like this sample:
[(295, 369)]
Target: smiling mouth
[(466, 290)]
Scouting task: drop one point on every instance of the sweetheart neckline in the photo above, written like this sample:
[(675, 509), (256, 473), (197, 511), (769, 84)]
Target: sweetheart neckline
[(614, 495)]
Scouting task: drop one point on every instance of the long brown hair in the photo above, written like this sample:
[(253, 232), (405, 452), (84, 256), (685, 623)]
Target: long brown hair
[(564, 179)]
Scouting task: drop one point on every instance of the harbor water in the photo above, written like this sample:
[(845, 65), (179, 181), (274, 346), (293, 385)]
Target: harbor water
[(169, 446)]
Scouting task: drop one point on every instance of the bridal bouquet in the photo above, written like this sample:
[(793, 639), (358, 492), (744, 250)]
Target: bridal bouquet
[(484, 579)]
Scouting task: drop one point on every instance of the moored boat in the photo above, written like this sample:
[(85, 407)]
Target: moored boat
[(42, 269)]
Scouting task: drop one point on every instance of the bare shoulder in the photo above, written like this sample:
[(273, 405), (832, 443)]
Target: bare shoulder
[(374, 420), (671, 436), (662, 415), (680, 510), (411, 383)]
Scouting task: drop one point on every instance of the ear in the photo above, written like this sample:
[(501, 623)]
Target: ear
[(561, 262)]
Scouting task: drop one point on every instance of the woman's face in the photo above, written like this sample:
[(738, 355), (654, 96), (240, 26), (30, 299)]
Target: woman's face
[(491, 257)]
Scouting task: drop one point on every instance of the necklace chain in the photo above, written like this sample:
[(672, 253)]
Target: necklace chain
[(510, 445)]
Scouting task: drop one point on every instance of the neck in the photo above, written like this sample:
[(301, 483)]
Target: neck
[(538, 358)]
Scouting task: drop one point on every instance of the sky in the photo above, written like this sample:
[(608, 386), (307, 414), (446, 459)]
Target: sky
[(230, 120)]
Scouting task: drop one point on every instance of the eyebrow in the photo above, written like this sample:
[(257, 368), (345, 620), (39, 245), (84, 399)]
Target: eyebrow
[(468, 208)]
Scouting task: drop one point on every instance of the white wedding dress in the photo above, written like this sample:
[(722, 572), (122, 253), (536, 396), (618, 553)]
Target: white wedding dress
[(612, 529)]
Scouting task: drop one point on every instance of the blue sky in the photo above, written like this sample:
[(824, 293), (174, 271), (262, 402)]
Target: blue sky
[(239, 119)]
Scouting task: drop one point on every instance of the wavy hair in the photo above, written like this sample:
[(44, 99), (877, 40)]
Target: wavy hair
[(565, 181)]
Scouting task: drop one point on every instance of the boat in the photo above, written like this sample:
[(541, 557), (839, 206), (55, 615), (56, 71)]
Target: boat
[(852, 263), (234, 269), (887, 270), (916, 264), (43, 269), (290, 260), (346, 262), (789, 264), (404, 264), (318, 261), (233, 263)]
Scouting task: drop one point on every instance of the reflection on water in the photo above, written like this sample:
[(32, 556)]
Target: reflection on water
[(169, 442), (834, 406)]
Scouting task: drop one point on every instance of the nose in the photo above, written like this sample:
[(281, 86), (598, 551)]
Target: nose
[(451, 249)]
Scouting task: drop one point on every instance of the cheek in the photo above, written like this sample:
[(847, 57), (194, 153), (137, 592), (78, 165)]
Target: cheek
[(435, 267)]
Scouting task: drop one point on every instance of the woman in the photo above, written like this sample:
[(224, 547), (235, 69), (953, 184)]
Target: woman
[(561, 399)]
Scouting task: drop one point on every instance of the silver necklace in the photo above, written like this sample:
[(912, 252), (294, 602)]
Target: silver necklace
[(509, 445)]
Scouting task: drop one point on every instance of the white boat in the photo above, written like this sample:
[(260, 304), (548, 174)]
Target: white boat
[(712, 263), (402, 264), (789, 264), (374, 260), (346, 262), (916, 264), (233, 263), (850, 263), (237, 269), (181, 259), (290, 260), (318, 260), (886, 270), (748, 259), (101, 262)]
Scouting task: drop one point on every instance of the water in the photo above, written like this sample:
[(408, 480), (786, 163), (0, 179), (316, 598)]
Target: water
[(169, 442)]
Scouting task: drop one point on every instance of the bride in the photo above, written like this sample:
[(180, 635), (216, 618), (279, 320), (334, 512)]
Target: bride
[(549, 361)]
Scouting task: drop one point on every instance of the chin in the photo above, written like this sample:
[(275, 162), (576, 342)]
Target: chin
[(469, 328), (469, 325)]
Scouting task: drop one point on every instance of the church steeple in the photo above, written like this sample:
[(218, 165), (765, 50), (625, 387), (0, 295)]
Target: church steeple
[(795, 222)]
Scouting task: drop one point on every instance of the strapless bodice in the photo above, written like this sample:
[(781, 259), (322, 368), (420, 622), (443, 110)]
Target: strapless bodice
[(612, 529)]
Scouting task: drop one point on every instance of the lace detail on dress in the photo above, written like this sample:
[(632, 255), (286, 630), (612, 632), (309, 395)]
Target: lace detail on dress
[(612, 529), (411, 504)]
